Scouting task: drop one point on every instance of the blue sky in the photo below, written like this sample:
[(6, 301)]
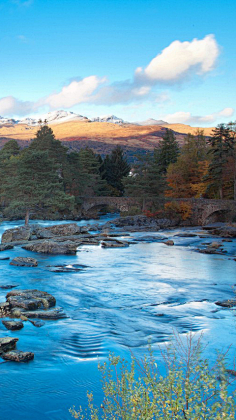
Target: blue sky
[(174, 60)]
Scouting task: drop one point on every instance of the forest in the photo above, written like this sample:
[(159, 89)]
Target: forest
[(46, 176)]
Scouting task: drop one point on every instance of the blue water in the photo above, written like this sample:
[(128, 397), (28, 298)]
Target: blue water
[(112, 305)]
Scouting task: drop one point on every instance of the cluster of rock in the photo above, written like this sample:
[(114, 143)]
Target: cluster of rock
[(8, 352), (30, 303), (25, 304), (56, 239), (141, 223)]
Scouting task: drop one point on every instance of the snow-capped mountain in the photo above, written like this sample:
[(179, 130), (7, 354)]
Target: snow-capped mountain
[(4, 120), (54, 117), (109, 119), (57, 117)]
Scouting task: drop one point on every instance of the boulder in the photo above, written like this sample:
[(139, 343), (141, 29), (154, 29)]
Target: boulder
[(18, 356), (16, 235), (51, 247), (112, 243), (4, 309), (5, 247), (13, 325), (7, 344), (215, 245), (169, 242), (230, 303), (37, 324), (67, 268), (30, 299), (225, 231), (56, 313), (24, 262), (60, 230)]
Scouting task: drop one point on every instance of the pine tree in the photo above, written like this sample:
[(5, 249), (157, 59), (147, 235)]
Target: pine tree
[(221, 147), (167, 151), (36, 186), (45, 141), (115, 167), (145, 180), (92, 182)]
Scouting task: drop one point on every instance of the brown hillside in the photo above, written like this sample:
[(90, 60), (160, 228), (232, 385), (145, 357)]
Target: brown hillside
[(100, 136), (182, 128)]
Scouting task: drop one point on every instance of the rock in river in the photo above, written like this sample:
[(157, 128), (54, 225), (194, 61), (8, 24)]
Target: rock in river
[(18, 356), (24, 262), (13, 325), (51, 247), (230, 303), (5, 247), (30, 299), (16, 235), (114, 243), (169, 242), (7, 344), (56, 313)]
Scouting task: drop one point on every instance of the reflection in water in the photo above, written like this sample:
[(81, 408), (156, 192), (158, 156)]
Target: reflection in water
[(124, 298)]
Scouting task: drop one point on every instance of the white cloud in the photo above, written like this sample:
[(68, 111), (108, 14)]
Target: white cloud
[(75, 93), (12, 106), (173, 64), (179, 59), (188, 118)]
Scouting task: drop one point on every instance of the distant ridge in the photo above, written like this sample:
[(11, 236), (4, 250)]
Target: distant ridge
[(152, 121)]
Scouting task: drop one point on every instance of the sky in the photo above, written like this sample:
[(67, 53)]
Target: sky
[(165, 59)]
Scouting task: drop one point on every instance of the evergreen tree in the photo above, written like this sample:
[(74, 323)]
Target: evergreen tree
[(36, 185), (167, 151), (115, 167), (145, 180), (8, 164), (45, 141), (221, 147), (92, 182)]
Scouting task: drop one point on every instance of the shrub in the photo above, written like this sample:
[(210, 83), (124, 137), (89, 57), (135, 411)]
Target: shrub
[(189, 390)]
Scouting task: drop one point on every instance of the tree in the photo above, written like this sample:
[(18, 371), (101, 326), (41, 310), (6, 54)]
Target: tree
[(221, 148), (185, 178), (167, 151), (232, 155), (89, 164), (190, 388), (145, 180), (114, 168), (8, 163), (36, 185)]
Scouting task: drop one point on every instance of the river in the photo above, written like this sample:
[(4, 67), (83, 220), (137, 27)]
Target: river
[(121, 300)]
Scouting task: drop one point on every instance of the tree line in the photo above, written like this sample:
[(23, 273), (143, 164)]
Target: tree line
[(203, 167), (47, 177)]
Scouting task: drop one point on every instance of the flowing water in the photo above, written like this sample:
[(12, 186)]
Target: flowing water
[(121, 300)]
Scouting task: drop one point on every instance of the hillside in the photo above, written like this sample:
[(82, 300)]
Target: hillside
[(101, 136)]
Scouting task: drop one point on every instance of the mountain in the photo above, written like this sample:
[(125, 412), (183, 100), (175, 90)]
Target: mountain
[(102, 134), (54, 117), (152, 121), (108, 119)]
